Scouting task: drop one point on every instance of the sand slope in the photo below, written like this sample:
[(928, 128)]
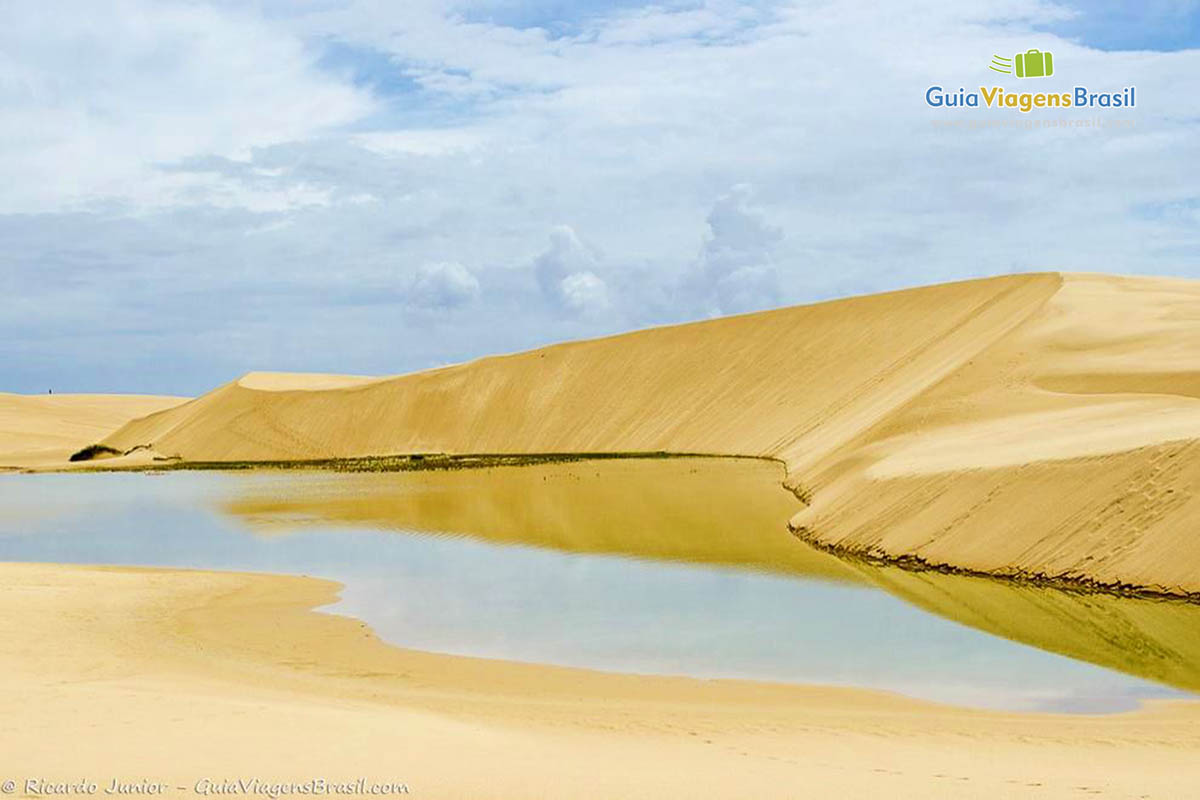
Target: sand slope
[(45, 429), (1066, 449), (1033, 424), (792, 382)]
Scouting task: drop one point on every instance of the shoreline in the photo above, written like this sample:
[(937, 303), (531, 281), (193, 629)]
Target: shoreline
[(407, 462), (916, 564), (413, 462)]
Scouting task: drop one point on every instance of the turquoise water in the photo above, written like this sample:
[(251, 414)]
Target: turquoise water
[(459, 595)]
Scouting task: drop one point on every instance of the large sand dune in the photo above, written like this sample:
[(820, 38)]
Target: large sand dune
[(1039, 425)]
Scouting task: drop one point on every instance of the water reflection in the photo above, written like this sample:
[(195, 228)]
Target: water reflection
[(1154, 639), (723, 512), (704, 511)]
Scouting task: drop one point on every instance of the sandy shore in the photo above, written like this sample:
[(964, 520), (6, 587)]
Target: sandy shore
[(181, 676)]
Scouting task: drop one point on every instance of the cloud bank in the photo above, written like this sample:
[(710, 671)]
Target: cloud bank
[(428, 182)]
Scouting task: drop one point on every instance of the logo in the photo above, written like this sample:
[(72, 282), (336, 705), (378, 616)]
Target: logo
[(1030, 64)]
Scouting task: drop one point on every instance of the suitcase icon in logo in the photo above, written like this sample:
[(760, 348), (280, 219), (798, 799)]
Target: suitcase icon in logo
[(1034, 64)]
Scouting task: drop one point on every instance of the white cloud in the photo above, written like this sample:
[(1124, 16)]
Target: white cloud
[(736, 268), (584, 292), (98, 95), (430, 142), (443, 285), (566, 273)]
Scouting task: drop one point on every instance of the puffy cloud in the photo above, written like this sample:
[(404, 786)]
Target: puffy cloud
[(566, 273), (736, 269), (584, 292), (443, 285)]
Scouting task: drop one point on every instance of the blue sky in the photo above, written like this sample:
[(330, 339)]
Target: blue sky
[(1161, 25), (195, 190)]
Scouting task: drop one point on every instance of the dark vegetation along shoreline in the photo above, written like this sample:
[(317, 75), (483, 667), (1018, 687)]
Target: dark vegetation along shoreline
[(394, 463), (1062, 583), (95, 451)]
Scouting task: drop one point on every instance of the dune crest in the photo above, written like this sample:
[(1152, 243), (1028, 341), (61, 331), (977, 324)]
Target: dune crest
[(300, 381), (1036, 425)]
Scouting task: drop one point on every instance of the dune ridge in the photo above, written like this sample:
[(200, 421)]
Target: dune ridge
[(1039, 425)]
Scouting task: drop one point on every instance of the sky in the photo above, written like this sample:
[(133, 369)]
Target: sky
[(195, 190)]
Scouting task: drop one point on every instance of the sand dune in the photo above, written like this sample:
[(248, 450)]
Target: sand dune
[(1067, 449), (184, 676), (40, 430), (1039, 425), (794, 383)]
